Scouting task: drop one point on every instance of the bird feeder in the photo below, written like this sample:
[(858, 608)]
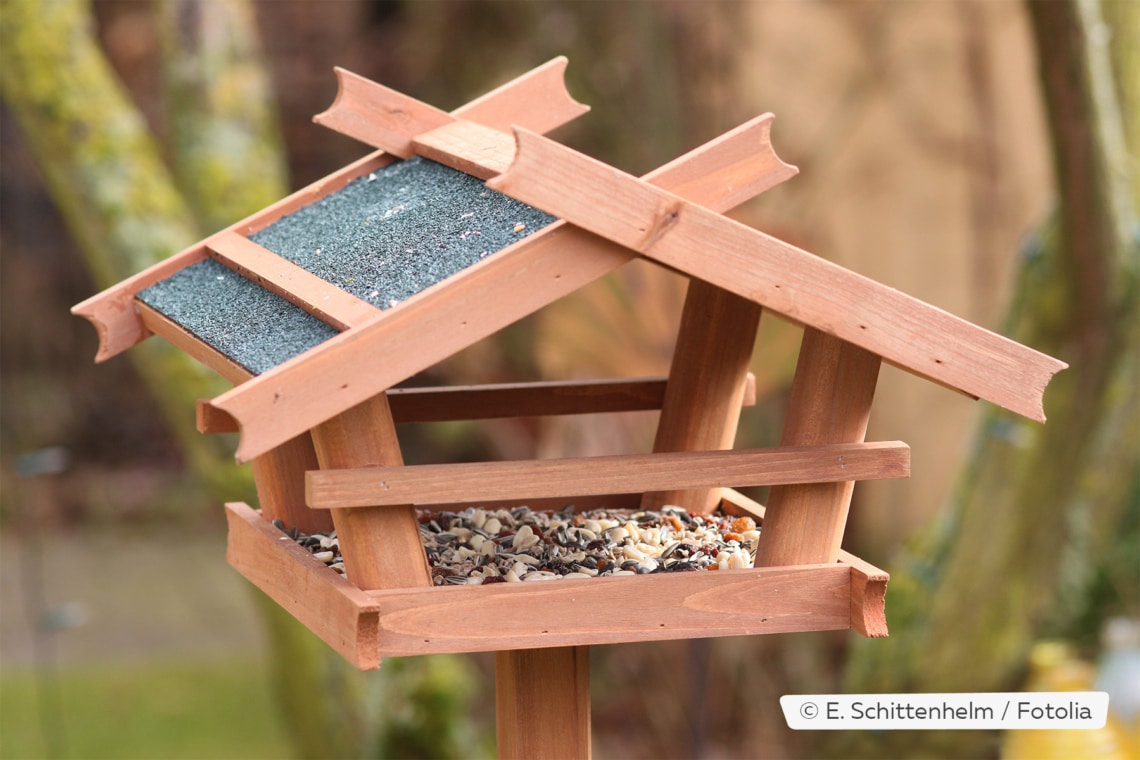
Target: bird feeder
[(459, 225)]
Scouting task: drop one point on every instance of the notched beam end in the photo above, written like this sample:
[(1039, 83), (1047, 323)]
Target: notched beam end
[(92, 312), (216, 416), (211, 420), (1048, 367), (868, 598), (377, 115), (539, 100)]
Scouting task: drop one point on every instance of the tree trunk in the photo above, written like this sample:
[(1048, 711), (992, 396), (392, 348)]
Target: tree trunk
[(1036, 506), (106, 175), (123, 208)]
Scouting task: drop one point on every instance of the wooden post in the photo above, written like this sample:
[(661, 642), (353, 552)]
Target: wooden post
[(542, 703), (380, 545), (830, 403), (706, 385), (280, 479)]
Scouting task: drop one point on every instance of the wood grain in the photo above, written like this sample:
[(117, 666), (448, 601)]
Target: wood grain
[(384, 118), (707, 383), (400, 622), (868, 583), (501, 400), (568, 478), (279, 476), (381, 547), (830, 403), (318, 297), (805, 288), (468, 147), (336, 611), (542, 703)]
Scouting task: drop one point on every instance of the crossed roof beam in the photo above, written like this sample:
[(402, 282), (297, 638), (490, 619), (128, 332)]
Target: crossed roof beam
[(672, 216)]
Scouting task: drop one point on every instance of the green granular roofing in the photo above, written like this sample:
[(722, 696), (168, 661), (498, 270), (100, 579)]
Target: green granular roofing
[(398, 231), (252, 326), (382, 238)]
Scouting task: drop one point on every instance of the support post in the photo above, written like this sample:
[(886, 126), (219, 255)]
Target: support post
[(830, 403), (280, 479), (365, 436), (707, 379), (542, 703)]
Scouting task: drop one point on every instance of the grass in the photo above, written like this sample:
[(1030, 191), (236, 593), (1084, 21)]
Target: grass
[(196, 710)]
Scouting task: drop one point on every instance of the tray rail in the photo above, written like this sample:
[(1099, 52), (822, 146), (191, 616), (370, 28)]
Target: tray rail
[(366, 626)]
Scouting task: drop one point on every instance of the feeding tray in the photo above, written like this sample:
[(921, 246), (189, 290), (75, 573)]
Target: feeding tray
[(460, 224), (366, 626)]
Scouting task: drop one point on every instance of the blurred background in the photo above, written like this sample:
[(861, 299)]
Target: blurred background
[(939, 153)]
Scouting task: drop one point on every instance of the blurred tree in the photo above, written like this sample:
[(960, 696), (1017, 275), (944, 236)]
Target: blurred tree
[(127, 210), (1040, 512)]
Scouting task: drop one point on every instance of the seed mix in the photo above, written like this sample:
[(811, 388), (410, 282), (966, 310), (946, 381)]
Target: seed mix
[(477, 546)]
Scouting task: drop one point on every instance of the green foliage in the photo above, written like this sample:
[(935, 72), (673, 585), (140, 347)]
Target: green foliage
[(155, 711)]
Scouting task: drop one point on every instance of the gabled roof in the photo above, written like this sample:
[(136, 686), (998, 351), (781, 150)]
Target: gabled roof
[(672, 216)]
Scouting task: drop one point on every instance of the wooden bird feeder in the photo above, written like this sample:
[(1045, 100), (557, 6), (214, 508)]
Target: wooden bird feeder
[(316, 407)]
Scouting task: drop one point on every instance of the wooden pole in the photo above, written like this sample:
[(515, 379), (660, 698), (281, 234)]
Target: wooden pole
[(830, 403), (707, 380), (542, 703), (381, 546)]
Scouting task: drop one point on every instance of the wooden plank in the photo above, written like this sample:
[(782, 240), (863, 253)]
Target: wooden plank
[(537, 100), (743, 166), (325, 602), (470, 305), (377, 115), (159, 324), (542, 703), (614, 610), (632, 473), (468, 147), (868, 583), (365, 625), (384, 118), (381, 547), (113, 312), (830, 403), (318, 297), (707, 383), (608, 501), (868, 597), (538, 399), (279, 476), (805, 288), (504, 400)]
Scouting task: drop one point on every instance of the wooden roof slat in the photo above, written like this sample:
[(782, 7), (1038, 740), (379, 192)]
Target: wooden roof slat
[(469, 306), (586, 476), (681, 234), (387, 119), (468, 147), (298, 286), (112, 311)]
